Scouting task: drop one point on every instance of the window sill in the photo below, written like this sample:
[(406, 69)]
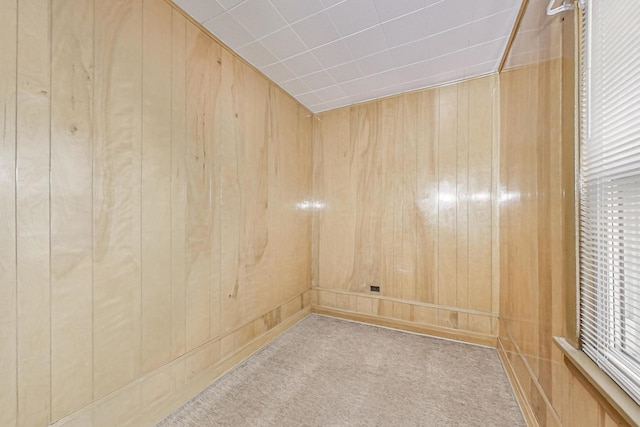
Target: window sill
[(610, 391)]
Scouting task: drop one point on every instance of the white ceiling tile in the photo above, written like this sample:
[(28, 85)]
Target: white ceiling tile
[(376, 63), (345, 72), (387, 91), (294, 10), (333, 54), (485, 52), (411, 53), (316, 30), (392, 9), (483, 8), (481, 69), (278, 72), (373, 93), (257, 55), (201, 10), (258, 17), (331, 105), (295, 87), (228, 4), (328, 3), (367, 42), (284, 43), (309, 99), (448, 63), (382, 80), (407, 28), (318, 80), (330, 93), (493, 27), (406, 86), (414, 71), (227, 29), (352, 16), (303, 64), (447, 15), (449, 41), (451, 76), (355, 87)]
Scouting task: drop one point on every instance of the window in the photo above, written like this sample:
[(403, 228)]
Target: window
[(610, 189)]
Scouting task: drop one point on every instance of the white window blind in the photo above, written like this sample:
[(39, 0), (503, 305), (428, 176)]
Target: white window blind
[(610, 189)]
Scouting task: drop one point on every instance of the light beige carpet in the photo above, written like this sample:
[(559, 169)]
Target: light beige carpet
[(331, 372)]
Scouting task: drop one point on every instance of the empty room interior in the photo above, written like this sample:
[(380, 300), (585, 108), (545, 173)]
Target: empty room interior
[(319, 213)]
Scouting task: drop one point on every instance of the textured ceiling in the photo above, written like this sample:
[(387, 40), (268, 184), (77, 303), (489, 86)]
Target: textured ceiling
[(331, 53)]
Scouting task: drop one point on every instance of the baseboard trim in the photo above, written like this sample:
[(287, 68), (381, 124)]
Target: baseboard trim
[(231, 362), (435, 331), (525, 407), (152, 397)]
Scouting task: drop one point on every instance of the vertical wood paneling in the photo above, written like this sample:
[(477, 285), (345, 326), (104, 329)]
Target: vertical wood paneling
[(276, 136), (447, 187), (32, 212), (129, 143), (427, 200), (213, 127), (371, 188), (198, 207), (462, 228), (8, 309), (387, 122), (261, 256), (156, 184), (117, 192), (408, 190), (231, 93), (480, 226), (398, 187), (336, 187), (294, 211), (303, 175), (178, 183), (71, 206)]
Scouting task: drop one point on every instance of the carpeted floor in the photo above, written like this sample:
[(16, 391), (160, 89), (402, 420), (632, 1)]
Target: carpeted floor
[(331, 372)]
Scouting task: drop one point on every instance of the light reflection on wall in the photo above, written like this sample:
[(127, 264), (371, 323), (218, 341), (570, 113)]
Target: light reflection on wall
[(310, 205), (507, 196)]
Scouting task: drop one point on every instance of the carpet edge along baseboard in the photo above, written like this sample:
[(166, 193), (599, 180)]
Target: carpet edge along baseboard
[(151, 398)]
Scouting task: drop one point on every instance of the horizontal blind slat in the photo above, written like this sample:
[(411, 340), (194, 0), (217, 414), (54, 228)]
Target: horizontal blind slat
[(609, 185)]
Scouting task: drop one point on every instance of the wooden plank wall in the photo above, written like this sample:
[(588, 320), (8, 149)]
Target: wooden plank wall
[(404, 191), (537, 232), (153, 223)]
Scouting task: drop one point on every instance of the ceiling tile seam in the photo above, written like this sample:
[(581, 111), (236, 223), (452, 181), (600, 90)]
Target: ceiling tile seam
[(356, 65), (289, 24), (286, 26), (326, 44), (384, 34), (401, 67), (235, 6), (258, 40), (387, 50), (397, 85)]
